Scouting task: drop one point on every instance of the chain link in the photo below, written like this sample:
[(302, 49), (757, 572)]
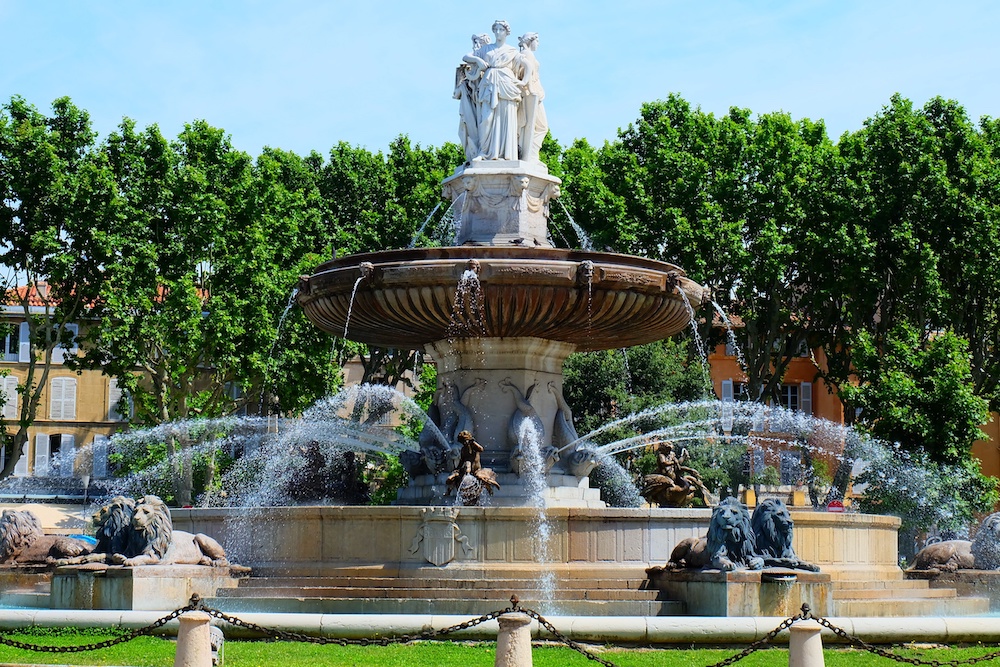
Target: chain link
[(147, 630), (197, 605)]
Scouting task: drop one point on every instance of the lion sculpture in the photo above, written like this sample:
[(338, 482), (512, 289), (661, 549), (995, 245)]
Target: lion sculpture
[(22, 541), (112, 523), (772, 529), (729, 545), (986, 544), (152, 540), (132, 533), (945, 556)]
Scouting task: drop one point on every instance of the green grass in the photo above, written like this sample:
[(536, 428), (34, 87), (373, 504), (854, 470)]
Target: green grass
[(159, 652)]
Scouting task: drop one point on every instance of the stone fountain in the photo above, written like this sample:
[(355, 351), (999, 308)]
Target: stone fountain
[(501, 310)]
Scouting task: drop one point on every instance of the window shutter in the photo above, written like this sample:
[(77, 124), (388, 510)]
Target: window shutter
[(10, 396), (24, 347), (21, 468), (67, 455), (42, 455), (806, 397), (114, 396), (727, 390), (62, 403), (99, 455)]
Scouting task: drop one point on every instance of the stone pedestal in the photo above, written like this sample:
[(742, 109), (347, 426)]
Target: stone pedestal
[(491, 375), (149, 587), (501, 202), (746, 592)]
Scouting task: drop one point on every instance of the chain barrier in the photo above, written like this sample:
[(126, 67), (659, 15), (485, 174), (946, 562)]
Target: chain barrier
[(196, 605), (147, 630)]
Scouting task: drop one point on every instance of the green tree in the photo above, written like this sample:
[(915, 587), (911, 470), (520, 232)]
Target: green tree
[(56, 234)]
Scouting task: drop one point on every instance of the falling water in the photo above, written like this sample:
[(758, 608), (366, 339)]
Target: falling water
[(467, 311), (731, 337), (536, 484), (266, 384), (699, 344), (416, 235), (350, 305), (581, 235), (628, 371)]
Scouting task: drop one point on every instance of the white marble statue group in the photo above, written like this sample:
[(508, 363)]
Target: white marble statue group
[(500, 98)]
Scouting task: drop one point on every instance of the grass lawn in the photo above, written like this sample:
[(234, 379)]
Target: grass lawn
[(158, 652)]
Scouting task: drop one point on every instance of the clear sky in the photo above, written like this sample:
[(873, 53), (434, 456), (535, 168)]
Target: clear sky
[(303, 75)]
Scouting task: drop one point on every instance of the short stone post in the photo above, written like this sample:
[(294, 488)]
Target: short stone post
[(805, 646), (514, 640), (194, 646)]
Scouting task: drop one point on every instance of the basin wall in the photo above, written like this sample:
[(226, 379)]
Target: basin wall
[(321, 540)]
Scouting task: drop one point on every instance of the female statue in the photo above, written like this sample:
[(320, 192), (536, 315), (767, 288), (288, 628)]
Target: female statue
[(498, 96), (531, 121), (466, 92)]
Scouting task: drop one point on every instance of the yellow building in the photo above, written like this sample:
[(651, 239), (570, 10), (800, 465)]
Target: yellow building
[(77, 412)]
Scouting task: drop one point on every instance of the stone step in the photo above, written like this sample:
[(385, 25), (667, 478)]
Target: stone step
[(895, 584), (462, 584), (462, 607), (904, 607), (431, 593), (893, 594)]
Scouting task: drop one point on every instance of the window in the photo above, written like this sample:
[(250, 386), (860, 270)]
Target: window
[(62, 398), (115, 394), (10, 398), (54, 455), (60, 353), (789, 397), (791, 467), (12, 343)]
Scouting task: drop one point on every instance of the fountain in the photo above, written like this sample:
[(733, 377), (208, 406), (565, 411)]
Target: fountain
[(498, 312)]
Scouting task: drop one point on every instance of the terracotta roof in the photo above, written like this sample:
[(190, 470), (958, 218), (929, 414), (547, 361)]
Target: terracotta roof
[(735, 321), (35, 293)]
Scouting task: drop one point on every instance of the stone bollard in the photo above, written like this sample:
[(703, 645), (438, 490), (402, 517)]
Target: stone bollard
[(805, 646), (514, 641), (194, 646)]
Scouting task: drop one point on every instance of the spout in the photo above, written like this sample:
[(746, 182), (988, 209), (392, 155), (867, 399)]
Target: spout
[(303, 287), (585, 273), (474, 266), (367, 272)]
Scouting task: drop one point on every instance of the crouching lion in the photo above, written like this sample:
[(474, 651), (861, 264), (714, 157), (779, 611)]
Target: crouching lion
[(946, 556), (22, 541), (152, 540), (729, 545)]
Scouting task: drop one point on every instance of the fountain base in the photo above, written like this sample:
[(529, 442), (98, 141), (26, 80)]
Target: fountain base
[(149, 587), (772, 592), (561, 491)]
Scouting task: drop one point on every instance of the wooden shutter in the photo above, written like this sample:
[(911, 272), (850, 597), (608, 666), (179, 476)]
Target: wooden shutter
[(24, 346), (62, 403), (67, 455), (21, 468), (10, 397), (41, 455), (806, 397), (99, 457), (114, 397), (727, 390)]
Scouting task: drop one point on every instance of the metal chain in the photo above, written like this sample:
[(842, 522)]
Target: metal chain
[(857, 642), (197, 605), (364, 641), (41, 648)]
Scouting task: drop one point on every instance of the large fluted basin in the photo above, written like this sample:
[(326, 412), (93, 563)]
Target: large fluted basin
[(409, 298)]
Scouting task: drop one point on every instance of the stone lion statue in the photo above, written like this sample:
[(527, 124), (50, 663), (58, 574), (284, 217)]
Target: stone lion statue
[(23, 541), (152, 540), (986, 544), (945, 556), (729, 545), (772, 529), (112, 523)]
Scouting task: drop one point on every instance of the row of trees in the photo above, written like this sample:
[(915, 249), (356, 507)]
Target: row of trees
[(878, 248)]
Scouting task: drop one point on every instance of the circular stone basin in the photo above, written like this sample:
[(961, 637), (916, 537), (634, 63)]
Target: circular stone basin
[(409, 298)]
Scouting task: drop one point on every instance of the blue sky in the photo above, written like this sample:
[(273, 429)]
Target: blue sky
[(304, 75)]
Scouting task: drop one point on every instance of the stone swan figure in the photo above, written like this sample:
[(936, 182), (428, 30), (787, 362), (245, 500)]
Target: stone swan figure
[(524, 420)]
